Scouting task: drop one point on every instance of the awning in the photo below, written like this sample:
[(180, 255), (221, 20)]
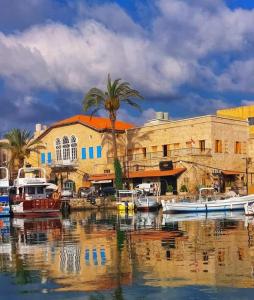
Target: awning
[(139, 174), (229, 172), (102, 177), (156, 173)]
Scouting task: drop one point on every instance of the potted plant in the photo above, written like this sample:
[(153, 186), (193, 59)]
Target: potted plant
[(170, 189), (183, 190)]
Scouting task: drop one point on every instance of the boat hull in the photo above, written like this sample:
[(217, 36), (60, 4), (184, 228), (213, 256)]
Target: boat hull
[(231, 204), (146, 204), (36, 208)]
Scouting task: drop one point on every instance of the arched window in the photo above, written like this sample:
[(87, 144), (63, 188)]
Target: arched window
[(74, 152), (58, 150), (66, 148)]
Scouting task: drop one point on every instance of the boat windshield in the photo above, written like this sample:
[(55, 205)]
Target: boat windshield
[(206, 194), (3, 191)]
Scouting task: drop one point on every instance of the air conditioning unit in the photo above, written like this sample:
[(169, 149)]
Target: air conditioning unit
[(166, 165)]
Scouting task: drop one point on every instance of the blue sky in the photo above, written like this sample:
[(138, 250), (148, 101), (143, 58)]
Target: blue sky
[(186, 57)]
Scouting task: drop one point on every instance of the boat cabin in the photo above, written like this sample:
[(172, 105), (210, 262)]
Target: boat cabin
[(30, 184), (4, 182)]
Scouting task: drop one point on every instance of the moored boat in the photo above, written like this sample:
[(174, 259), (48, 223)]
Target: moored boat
[(30, 198), (207, 204), (4, 192), (146, 203)]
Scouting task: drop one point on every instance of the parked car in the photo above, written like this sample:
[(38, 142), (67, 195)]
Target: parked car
[(107, 191), (67, 193), (85, 192), (148, 188)]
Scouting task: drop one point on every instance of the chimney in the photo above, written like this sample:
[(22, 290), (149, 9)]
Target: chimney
[(165, 116), (38, 127), (159, 115)]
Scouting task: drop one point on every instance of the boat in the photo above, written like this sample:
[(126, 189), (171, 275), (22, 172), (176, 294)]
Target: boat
[(29, 198), (249, 209), (125, 200), (207, 203), (146, 203), (4, 192)]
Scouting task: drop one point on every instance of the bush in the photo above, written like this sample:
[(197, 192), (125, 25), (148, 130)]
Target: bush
[(183, 188), (170, 188)]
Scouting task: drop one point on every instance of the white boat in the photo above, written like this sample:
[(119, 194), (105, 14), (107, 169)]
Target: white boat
[(4, 192), (249, 209), (146, 203), (207, 203), (30, 198)]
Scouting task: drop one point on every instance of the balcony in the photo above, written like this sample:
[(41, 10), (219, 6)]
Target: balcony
[(67, 163), (160, 155)]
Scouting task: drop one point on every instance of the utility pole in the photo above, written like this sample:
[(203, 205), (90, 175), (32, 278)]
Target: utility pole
[(247, 163)]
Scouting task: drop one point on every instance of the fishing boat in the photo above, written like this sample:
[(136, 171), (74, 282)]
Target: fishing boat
[(207, 203), (146, 203), (29, 198), (125, 200), (4, 192)]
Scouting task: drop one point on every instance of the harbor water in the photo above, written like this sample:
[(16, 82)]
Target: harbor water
[(107, 255)]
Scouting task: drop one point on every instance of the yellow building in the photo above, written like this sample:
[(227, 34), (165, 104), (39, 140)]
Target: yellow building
[(77, 147), (191, 152), (240, 112)]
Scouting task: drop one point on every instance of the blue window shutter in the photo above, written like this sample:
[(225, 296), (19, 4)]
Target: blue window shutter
[(49, 158), (43, 158), (90, 152), (83, 153), (98, 151)]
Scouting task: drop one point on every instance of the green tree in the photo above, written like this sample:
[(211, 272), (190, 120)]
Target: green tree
[(116, 94), (20, 144)]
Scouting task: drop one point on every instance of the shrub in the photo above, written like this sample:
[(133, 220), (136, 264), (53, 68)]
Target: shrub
[(183, 188), (170, 188)]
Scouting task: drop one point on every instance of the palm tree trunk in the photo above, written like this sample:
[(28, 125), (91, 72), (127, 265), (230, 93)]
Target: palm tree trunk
[(113, 121)]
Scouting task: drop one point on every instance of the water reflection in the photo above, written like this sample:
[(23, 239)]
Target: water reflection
[(98, 251)]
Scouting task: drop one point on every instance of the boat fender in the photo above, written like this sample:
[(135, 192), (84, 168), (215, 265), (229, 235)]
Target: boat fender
[(56, 195)]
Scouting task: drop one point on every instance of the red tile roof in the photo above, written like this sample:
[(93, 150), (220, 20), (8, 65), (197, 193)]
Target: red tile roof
[(140, 174), (97, 123)]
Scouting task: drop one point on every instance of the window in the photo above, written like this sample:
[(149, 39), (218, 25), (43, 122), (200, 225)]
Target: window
[(202, 145), (40, 190), (251, 120), (144, 152), (74, 152), (176, 145), (218, 146), (154, 148), (238, 147), (58, 150), (165, 150), (83, 153), (66, 148), (98, 151), (90, 152), (43, 158), (49, 158), (30, 190)]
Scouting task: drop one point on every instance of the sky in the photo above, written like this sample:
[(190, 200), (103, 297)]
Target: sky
[(186, 57)]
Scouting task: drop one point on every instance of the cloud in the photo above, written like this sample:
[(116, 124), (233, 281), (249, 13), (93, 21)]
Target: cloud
[(188, 48)]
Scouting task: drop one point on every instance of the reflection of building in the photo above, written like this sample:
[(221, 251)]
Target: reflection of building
[(211, 253)]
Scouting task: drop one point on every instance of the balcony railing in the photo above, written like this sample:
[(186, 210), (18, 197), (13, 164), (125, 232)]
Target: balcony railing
[(160, 155), (63, 163)]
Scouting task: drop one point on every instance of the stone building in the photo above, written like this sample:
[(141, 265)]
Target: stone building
[(207, 150), (76, 148)]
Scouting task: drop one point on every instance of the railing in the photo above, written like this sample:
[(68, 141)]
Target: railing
[(160, 155), (63, 163)]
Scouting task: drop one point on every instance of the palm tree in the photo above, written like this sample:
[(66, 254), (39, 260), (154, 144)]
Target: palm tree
[(20, 144), (117, 93)]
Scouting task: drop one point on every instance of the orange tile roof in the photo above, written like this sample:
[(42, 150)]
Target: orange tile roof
[(139, 174), (156, 173), (97, 123), (229, 172)]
